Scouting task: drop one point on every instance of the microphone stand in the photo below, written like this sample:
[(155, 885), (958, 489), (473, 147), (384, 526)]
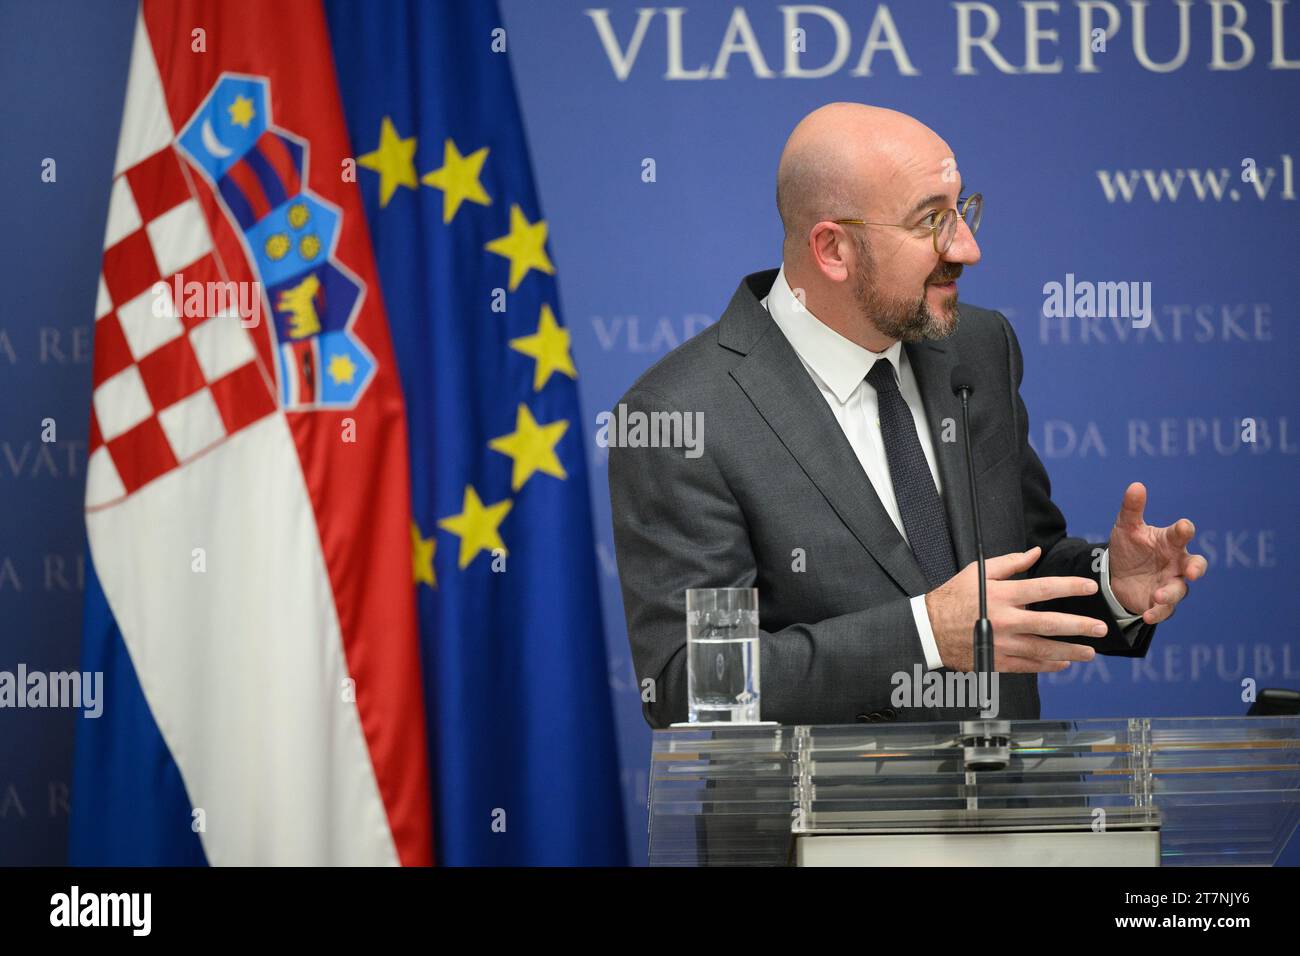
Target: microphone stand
[(986, 743), (983, 635)]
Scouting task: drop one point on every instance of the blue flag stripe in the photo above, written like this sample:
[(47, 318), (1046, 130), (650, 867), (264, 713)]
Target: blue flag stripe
[(125, 785)]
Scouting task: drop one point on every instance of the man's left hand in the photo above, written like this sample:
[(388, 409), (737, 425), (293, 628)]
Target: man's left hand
[(1150, 567)]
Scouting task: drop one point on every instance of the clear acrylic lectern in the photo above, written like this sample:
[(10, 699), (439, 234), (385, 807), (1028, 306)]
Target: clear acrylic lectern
[(1221, 791)]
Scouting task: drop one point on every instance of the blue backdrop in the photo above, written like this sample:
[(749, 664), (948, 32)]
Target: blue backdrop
[(1128, 164)]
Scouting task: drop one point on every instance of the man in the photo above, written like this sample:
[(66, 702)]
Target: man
[(825, 479)]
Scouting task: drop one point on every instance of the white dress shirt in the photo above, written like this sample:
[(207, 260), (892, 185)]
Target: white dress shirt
[(839, 369)]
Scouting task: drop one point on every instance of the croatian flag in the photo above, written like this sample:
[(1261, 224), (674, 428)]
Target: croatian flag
[(251, 600)]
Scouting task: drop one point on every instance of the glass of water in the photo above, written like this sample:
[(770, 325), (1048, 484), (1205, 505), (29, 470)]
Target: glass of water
[(722, 655)]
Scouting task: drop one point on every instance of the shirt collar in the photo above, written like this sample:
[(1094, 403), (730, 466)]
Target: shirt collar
[(841, 364)]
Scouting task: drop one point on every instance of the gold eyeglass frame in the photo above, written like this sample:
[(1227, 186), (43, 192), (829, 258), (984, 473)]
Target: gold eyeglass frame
[(977, 199)]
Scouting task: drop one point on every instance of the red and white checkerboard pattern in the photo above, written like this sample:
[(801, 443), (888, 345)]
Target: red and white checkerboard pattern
[(167, 386)]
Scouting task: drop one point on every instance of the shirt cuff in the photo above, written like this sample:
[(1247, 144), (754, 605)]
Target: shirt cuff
[(1122, 615), (928, 644)]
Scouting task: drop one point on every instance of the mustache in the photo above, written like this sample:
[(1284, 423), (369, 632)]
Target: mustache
[(944, 276)]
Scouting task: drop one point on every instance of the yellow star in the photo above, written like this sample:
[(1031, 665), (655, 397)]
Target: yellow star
[(458, 179), (341, 368), (422, 551), (393, 161), (241, 111), (549, 345), (476, 526), (532, 447), (524, 246)]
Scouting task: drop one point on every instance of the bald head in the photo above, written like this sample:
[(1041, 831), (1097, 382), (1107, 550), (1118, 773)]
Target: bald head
[(845, 160), (871, 283)]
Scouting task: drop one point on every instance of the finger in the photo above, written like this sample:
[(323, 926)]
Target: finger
[(1054, 624), (1194, 567), (1045, 589), (1005, 566), (1020, 644), (1161, 612), (1180, 533), (1170, 593), (1011, 664), (1131, 508)]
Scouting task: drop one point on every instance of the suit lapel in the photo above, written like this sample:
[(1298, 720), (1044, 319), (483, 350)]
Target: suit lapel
[(785, 395), (789, 401)]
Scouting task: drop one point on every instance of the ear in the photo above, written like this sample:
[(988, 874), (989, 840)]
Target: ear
[(830, 249)]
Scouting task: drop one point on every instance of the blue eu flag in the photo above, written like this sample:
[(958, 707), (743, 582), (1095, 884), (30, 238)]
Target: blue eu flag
[(521, 733)]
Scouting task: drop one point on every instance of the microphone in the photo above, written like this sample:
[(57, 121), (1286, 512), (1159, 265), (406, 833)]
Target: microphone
[(963, 386)]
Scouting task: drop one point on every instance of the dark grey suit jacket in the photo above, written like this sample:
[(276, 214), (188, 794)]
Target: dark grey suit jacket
[(777, 474)]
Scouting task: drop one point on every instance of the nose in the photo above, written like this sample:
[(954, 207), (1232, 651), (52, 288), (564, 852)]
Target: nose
[(964, 248)]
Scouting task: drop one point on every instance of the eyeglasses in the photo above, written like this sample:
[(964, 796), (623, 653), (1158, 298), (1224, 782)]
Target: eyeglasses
[(942, 224)]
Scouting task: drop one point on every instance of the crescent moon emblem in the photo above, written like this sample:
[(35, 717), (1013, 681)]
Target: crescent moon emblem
[(211, 143)]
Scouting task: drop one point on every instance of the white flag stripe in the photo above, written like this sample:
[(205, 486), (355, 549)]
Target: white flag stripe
[(103, 483), (242, 662)]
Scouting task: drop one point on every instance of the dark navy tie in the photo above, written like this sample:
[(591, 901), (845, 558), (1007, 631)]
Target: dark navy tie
[(924, 517)]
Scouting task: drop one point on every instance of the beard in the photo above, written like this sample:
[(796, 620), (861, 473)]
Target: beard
[(903, 318)]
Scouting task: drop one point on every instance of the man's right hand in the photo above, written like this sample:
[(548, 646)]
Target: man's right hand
[(1017, 646)]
